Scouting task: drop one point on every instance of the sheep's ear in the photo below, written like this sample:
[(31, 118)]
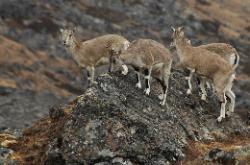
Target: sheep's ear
[(173, 28), (180, 28)]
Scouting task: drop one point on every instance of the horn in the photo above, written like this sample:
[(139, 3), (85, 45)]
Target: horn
[(173, 28), (181, 28)]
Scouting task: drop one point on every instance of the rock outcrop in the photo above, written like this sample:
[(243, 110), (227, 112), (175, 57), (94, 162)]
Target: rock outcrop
[(114, 122), (36, 68), (36, 72)]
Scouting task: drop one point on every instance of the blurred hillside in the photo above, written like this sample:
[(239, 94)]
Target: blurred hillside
[(36, 71)]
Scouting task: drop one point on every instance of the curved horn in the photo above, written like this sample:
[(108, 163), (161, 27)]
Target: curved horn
[(180, 28), (173, 28)]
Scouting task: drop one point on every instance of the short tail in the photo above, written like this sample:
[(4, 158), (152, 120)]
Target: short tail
[(236, 60)]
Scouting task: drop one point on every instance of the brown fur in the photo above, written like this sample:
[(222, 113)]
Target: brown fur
[(144, 53), (147, 54), (206, 64), (226, 51), (94, 52)]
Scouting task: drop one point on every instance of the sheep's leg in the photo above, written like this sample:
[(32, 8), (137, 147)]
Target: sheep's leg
[(138, 84), (147, 73), (231, 96), (223, 108), (111, 63), (91, 75), (88, 75), (189, 91), (208, 85), (203, 89), (165, 84)]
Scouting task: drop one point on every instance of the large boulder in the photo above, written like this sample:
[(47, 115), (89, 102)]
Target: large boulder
[(115, 122)]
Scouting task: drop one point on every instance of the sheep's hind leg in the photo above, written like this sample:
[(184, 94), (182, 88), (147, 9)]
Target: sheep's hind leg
[(231, 96), (203, 89), (147, 73), (165, 85), (223, 108), (138, 74), (190, 88)]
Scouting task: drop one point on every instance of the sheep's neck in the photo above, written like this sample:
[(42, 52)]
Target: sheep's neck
[(181, 46), (126, 58), (75, 44)]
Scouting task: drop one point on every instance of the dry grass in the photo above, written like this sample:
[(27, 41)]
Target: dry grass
[(16, 63), (232, 14)]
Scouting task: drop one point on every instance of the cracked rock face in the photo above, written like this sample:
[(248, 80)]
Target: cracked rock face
[(34, 66), (118, 121), (114, 122)]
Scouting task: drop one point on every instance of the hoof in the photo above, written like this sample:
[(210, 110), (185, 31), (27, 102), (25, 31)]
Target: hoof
[(189, 92), (220, 118), (124, 73), (160, 97), (93, 83), (203, 97), (162, 103), (138, 85), (229, 113), (147, 91)]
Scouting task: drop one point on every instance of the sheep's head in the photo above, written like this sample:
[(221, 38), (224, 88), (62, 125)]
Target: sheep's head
[(67, 37), (118, 48), (126, 45), (178, 34)]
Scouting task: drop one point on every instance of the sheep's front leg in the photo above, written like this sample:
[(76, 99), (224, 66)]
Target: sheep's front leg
[(203, 89), (147, 77), (111, 63), (189, 91), (91, 75)]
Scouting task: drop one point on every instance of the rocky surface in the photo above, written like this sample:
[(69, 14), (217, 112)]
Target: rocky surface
[(114, 122), (34, 62), (36, 72)]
